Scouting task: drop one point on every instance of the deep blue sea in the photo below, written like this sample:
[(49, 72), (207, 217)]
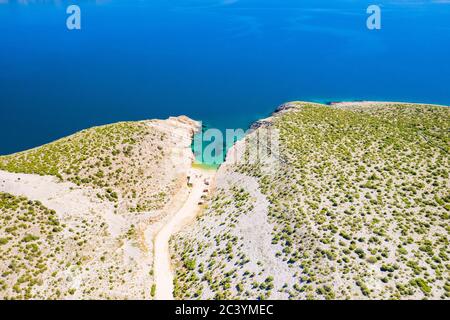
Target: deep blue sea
[(226, 62)]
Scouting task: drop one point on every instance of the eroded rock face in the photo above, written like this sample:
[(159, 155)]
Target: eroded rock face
[(103, 187), (260, 123)]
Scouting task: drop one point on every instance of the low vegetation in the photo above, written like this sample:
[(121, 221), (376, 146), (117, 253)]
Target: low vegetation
[(359, 208)]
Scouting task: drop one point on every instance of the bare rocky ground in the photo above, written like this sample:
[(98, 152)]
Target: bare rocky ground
[(78, 227)]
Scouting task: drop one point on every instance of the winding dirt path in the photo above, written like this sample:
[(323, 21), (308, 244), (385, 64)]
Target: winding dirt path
[(162, 266)]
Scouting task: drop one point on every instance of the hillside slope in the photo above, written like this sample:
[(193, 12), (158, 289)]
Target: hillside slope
[(78, 216), (358, 208), (133, 163)]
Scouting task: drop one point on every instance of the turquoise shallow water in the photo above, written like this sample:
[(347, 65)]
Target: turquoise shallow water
[(225, 62)]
